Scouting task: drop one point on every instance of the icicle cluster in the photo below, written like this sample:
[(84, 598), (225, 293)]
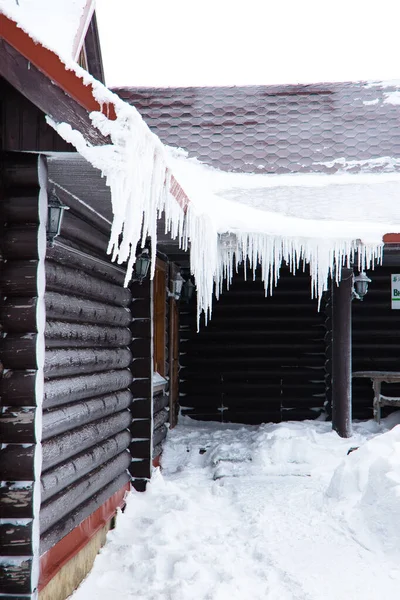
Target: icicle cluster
[(136, 170)]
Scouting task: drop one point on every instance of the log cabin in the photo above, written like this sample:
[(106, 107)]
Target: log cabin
[(88, 366)]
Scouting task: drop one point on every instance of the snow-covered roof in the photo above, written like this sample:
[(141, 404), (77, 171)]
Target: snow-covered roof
[(58, 24), (279, 129)]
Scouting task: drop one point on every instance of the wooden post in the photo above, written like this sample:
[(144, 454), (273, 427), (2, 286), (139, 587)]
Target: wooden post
[(341, 354)]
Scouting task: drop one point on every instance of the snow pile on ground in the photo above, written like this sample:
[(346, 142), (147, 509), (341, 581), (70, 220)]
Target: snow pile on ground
[(255, 513), (365, 492)]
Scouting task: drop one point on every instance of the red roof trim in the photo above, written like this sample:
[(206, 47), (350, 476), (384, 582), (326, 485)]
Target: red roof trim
[(50, 64), (392, 238)]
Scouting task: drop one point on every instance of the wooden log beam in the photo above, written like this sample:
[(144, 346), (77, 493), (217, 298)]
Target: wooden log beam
[(69, 308), (19, 351), (19, 171), (20, 242), (61, 447), (159, 435), (160, 418), (60, 279), (19, 278), (82, 490), (15, 576), (16, 537), (65, 253), (19, 210), (18, 315), (58, 478), (160, 402), (16, 501), (17, 425), (60, 334), (16, 462), (64, 391), (60, 362), (17, 388), (69, 417), (74, 518), (75, 229)]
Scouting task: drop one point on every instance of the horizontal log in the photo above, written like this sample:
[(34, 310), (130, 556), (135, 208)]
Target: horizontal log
[(80, 310), (19, 278), (65, 390), (70, 416), (60, 362), (140, 449), (19, 170), (16, 537), (21, 209), (17, 388), (141, 348), (141, 367), (141, 388), (140, 469), (141, 408), (17, 425), (159, 435), (60, 334), (73, 519), (54, 480), (60, 448), (70, 254), (79, 230), (141, 428), (15, 575), (18, 315), (16, 501), (160, 418), (60, 278), (159, 402), (18, 351), (20, 242), (16, 462), (141, 308), (81, 209), (82, 489), (141, 328)]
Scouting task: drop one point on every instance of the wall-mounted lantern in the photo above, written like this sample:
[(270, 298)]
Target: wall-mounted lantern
[(55, 211), (176, 285), (142, 265), (360, 282), (188, 291)]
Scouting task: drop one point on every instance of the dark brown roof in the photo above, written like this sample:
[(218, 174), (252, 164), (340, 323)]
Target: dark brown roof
[(276, 129)]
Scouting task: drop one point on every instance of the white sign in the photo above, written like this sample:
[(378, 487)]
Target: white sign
[(395, 291)]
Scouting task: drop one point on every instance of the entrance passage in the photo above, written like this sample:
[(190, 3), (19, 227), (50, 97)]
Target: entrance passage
[(259, 359)]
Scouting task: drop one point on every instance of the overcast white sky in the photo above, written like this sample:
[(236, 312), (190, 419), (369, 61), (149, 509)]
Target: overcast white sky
[(230, 42)]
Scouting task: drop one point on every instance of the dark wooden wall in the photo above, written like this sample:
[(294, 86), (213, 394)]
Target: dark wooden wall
[(23, 126), (20, 382), (259, 359), (87, 400)]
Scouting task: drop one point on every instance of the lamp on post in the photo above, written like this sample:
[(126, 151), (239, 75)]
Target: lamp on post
[(176, 285), (361, 282), (55, 211), (142, 265)]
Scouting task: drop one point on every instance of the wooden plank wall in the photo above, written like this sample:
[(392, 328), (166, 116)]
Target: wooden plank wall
[(86, 417), (19, 217)]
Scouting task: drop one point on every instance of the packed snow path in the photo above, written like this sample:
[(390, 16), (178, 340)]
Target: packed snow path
[(277, 512)]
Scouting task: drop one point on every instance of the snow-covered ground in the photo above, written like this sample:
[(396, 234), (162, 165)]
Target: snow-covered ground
[(276, 512)]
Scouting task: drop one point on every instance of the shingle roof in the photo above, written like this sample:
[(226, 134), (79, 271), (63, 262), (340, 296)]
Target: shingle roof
[(278, 129)]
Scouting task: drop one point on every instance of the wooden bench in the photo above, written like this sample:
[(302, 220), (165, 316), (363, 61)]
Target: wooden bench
[(377, 378)]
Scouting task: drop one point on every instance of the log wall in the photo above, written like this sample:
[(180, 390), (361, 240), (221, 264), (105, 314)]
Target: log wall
[(21, 383), (87, 396)]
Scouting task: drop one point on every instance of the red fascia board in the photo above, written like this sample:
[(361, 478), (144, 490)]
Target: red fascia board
[(51, 65), (55, 558), (392, 238)]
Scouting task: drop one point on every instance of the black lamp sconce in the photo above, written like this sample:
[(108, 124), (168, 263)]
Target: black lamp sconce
[(176, 285), (360, 285), (142, 265), (187, 291), (55, 211)]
